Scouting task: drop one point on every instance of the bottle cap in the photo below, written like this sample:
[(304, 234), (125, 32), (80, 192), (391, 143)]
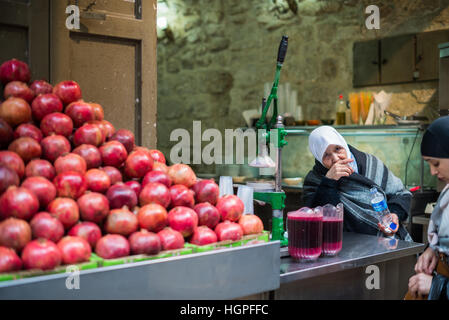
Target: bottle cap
[(341, 97)]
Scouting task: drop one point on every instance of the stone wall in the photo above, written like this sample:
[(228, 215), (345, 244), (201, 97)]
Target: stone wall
[(223, 51)]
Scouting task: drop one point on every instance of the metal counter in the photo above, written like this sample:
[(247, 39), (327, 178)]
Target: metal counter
[(222, 274), (348, 275)]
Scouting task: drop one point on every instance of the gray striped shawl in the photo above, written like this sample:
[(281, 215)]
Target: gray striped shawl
[(354, 192)]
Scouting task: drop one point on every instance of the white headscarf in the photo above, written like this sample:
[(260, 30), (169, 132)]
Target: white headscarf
[(321, 138)]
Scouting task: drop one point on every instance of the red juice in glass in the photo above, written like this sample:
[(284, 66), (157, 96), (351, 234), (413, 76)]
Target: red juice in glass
[(332, 229), (305, 233)]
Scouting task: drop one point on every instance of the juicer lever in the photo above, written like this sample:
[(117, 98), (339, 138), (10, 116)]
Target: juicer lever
[(282, 49)]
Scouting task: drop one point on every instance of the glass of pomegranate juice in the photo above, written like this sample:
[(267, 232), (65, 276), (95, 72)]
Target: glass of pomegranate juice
[(305, 233), (332, 229)]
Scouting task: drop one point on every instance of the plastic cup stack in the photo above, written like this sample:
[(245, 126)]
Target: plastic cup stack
[(245, 194), (225, 186)]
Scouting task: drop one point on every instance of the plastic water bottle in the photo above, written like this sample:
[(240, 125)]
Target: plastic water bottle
[(380, 206)]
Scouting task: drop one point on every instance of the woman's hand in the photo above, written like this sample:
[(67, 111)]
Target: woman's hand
[(389, 232), (340, 169), (419, 284), (426, 262)]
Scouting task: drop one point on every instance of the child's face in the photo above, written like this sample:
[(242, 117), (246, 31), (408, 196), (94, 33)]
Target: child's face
[(438, 167)]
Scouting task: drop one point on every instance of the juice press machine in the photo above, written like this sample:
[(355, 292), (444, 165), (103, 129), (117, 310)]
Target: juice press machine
[(273, 132)]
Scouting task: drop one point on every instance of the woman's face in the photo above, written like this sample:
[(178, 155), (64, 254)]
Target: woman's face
[(333, 154), (438, 167)]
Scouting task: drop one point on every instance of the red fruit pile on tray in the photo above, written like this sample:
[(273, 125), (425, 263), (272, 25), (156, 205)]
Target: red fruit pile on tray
[(71, 184)]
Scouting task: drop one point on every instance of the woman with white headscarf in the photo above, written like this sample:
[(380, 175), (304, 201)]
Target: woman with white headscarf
[(344, 174)]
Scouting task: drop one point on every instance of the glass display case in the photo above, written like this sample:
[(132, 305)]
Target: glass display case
[(397, 146)]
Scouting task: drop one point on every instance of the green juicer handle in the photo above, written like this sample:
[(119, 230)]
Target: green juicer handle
[(282, 51)]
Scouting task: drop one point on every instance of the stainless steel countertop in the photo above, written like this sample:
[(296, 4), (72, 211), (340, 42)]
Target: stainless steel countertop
[(227, 273), (358, 250)]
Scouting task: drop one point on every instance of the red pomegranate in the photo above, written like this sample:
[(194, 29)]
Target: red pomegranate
[(74, 250), (88, 134), (135, 186), (157, 156), (54, 146), (113, 154), (120, 195), (70, 184), (13, 161), (45, 104), (14, 70), (40, 168), (6, 134), (90, 154), (68, 91), (97, 180), (65, 210), (80, 112), (114, 174), (112, 246), (41, 254), (44, 225), (171, 239), (140, 148), (155, 193), (121, 221), (18, 89), (180, 195), (138, 164), (251, 224), (156, 176), (152, 217), (70, 162), (19, 203), (89, 231), (109, 128), (206, 191), (57, 123), (159, 166), (183, 219), (102, 127), (203, 235), (208, 215), (14, 233), (28, 130), (93, 207), (15, 111), (44, 190), (182, 174), (144, 242), (228, 230), (230, 207), (41, 87), (98, 110), (8, 177), (27, 148), (125, 137), (9, 260)]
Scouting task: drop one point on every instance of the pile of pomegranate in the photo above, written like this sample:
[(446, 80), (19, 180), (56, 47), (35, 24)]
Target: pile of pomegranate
[(71, 184)]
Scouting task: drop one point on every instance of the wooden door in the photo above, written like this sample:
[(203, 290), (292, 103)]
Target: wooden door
[(427, 53), (397, 59), (366, 63), (112, 57), (24, 34)]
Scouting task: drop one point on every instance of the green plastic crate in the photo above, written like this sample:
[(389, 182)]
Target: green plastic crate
[(143, 257), (91, 264), (246, 240)]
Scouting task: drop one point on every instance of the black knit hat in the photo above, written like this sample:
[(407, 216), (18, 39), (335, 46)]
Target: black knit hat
[(435, 142)]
